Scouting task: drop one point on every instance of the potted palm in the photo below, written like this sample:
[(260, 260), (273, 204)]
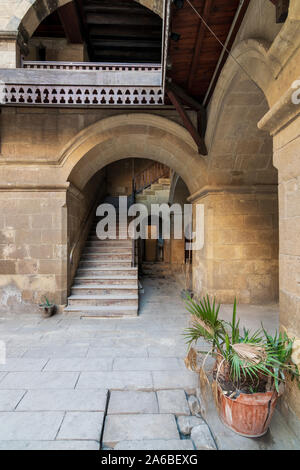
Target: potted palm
[(250, 368), (47, 308)]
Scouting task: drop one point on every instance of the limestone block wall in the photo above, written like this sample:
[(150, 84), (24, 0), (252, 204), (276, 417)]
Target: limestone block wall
[(286, 159), (240, 253), (57, 49), (33, 248), (41, 134)]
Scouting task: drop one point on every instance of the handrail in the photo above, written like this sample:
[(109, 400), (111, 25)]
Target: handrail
[(105, 66), (82, 225), (150, 175), (133, 254)]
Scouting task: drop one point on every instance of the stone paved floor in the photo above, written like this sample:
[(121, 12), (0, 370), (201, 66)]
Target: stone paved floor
[(54, 385)]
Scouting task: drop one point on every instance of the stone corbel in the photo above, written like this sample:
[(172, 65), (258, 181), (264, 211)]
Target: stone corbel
[(283, 112)]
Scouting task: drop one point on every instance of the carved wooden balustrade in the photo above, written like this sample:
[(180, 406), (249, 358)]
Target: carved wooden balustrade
[(82, 84)]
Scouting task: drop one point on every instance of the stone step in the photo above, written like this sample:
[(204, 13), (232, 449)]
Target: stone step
[(107, 271), (104, 312), (104, 289), (106, 256), (165, 181), (110, 237), (131, 281), (107, 244), (105, 264), (102, 300), (103, 250)]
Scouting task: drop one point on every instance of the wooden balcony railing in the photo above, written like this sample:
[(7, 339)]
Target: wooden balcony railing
[(149, 176), (97, 85), (90, 66)]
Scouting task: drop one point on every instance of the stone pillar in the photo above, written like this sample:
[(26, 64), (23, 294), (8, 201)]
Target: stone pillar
[(33, 248), (240, 253), (283, 123), (10, 55)]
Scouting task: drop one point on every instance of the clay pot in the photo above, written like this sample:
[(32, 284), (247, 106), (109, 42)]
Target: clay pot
[(249, 414), (48, 311)]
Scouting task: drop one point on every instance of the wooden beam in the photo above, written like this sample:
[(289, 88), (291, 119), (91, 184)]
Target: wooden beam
[(123, 43), (192, 103), (71, 22), (134, 31), (199, 42), (202, 150), (130, 20), (229, 46)]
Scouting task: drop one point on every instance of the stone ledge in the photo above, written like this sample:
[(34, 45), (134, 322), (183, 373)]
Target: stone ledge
[(281, 114), (253, 189)]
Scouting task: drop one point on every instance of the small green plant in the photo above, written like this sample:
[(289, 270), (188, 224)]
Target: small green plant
[(252, 361), (46, 303)]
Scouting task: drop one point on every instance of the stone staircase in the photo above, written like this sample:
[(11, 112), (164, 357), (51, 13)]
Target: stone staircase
[(157, 193), (106, 284)]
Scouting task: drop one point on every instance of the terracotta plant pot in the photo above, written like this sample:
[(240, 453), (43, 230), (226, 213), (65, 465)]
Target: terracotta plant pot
[(48, 311), (249, 414)]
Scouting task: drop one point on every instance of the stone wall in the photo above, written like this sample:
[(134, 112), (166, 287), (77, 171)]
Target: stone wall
[(240, 253), (119, 175), (57, 49), (33, 249)]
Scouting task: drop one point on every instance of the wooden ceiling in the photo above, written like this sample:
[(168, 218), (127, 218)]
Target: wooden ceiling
[(114, 30), (195, 56), (125, 31)]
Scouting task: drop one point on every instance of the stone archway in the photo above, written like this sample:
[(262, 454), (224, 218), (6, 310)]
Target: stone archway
[(133, 135)]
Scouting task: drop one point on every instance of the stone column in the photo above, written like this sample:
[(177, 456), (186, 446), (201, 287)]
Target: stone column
[(10, 54), (283, 122), (33, 247), (240, 253)]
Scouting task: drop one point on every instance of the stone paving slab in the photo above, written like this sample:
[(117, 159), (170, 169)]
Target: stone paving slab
[(49, 445), (116, 380), (184, 379), (139, 427), (39, 380), (172, 444), (132, 403), (2, 375), (202, 438), (137, 363), (118, 352), (162, 350), (187, 423), (78, 365), (42, 426), (173, 401), (63, 352), (63, 400), (10, 398), (81, 425), (23, 365)]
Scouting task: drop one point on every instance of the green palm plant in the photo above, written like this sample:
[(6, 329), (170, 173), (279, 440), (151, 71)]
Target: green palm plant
[(205, 322), (250, 357)]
